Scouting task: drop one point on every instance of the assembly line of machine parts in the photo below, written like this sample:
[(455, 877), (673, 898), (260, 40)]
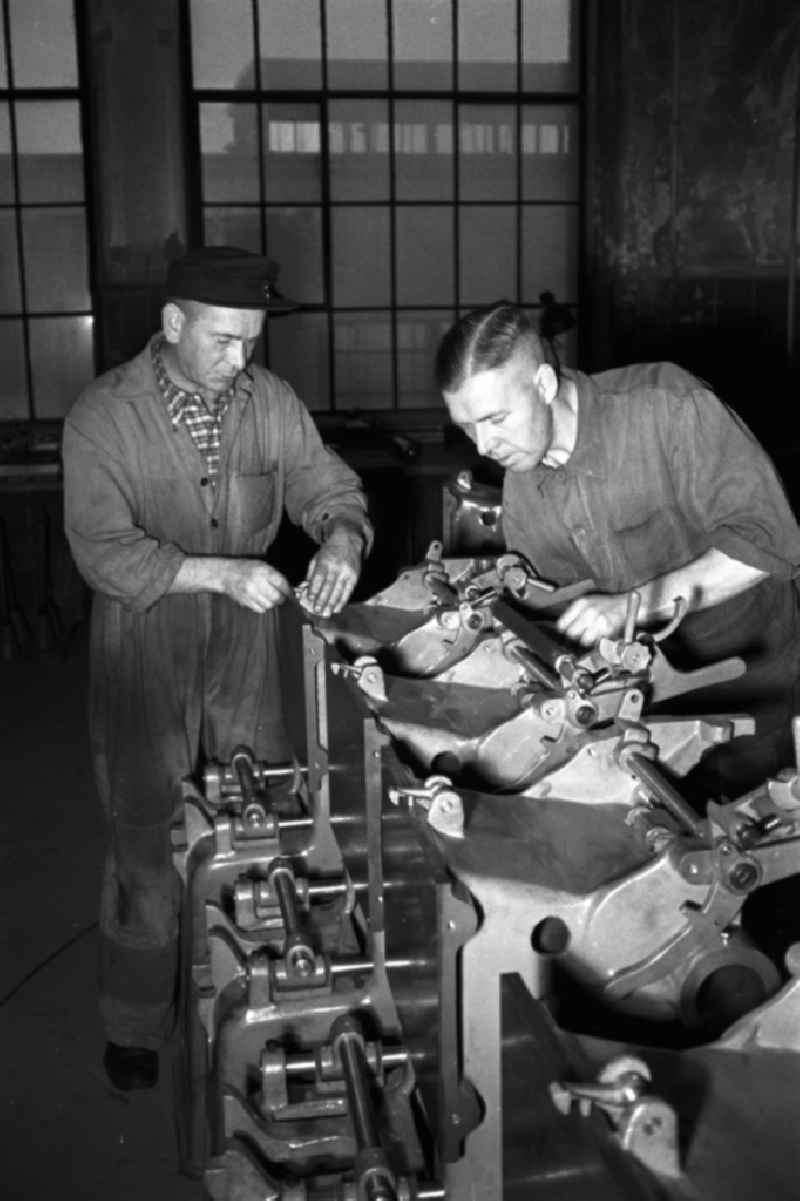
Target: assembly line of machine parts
[(473, 943)]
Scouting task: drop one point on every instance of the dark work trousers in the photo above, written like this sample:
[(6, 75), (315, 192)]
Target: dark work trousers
[(190, 678)]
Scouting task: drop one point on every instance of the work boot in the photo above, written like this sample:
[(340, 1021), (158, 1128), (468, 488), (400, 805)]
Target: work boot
[(130, 1068)]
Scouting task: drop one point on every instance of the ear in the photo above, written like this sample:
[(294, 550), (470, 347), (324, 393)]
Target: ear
[(173, 321), (546, 382)]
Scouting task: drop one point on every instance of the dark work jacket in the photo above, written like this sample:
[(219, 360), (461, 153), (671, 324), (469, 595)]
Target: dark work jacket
[(661, 472)]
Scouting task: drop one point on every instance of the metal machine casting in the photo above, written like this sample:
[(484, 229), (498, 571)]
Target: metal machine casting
[(473, 941)]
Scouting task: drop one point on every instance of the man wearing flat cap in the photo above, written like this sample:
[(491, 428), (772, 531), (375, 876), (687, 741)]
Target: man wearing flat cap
[(178, 466)]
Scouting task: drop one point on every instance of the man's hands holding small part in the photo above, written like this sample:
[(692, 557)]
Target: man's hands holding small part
[(252, 583), (594, 616), (332, 573), (255, 584)]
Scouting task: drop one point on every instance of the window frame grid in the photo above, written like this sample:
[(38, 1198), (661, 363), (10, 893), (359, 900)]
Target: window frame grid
[(516, 98), (11, 96)]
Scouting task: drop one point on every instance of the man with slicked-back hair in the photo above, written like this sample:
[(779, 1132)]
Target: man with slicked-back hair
[(642, 478)]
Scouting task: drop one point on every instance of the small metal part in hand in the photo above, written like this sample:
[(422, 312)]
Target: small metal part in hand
[(302, 598)]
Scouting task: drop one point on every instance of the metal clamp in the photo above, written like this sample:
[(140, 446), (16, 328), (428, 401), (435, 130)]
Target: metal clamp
[(643, 1124), (300, 965), (367, 673), (439, 802)]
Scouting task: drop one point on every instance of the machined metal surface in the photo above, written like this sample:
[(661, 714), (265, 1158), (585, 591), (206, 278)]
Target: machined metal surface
[(473, 943)]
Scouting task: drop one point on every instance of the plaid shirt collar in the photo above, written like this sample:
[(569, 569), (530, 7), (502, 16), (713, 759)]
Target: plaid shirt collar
[(180, 402)]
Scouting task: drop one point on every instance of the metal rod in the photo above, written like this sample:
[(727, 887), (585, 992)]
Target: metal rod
[(350, 1046), (332, 888), (278, 773), (243, 766), (306, 1065), (534, 667), (649, 774), (282, 881), (351, 967)]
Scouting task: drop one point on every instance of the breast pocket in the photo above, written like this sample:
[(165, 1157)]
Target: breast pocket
[(253, 504), (652, 545)]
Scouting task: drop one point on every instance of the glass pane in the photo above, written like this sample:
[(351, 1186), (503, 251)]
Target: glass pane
[(294, 240), (298, 352), (229, 152), (43, 44), (487, 248), (487, 152), (50, 151), (56, 269), (358, 135), (425, 255), (549, 46), (550, 152), (357, 44), (423, 148), (549, 252), (233, 227), (6, 174), (3, 59), (418, 336), (363, 360), (13, 386), (62, 360), (222, 44), (487, 45), (10, 300), (360, 256), (291, 46), (423, 45), (292, 145)]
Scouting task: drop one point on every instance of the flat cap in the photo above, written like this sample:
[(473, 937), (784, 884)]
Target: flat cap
[(228, 277)]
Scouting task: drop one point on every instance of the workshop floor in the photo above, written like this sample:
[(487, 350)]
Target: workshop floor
[(64, 1131)]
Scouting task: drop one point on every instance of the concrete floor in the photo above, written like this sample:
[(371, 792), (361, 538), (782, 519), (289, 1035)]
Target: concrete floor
[(64, 1131)]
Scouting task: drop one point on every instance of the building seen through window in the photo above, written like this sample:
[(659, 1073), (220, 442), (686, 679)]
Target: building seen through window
[(402, 161), (46, 323)]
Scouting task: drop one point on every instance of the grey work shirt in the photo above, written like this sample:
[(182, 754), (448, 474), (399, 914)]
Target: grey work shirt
[(137, 495), (661, 472)]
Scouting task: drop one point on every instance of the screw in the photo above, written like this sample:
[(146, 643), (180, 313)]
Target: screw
[(302, 962), (743, 876)]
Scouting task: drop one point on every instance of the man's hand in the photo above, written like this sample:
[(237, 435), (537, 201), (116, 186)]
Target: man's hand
[(333, 572), (254, 584), (594, 616)]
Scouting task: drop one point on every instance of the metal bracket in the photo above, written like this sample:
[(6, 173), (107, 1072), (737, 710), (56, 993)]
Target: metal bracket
[(367, 673), (437, 801), (644, 1125)]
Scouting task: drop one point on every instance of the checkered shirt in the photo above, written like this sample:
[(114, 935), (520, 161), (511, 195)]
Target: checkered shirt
[(204, 425)]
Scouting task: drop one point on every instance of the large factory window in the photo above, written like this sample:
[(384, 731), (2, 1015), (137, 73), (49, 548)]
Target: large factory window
[(400, 160), (46, 325)]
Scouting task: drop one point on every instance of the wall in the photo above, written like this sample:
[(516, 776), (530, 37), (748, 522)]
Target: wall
[(692, 241), (134, 60)]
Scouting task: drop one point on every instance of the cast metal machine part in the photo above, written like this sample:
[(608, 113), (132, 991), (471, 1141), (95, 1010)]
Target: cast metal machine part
[(379, 933)]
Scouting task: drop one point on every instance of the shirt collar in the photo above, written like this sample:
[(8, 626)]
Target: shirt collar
[(585, 425), (565, 425), (178, 400)]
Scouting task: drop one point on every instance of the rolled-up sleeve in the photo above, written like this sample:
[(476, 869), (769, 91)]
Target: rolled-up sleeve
[(321, 490), (113, 554), (731, 489)]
